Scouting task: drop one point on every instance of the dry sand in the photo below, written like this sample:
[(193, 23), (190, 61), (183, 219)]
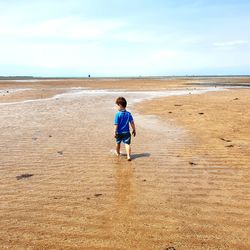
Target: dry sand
[(186, 187)]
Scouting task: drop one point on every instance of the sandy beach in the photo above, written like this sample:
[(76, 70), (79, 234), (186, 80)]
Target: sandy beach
[(187, 186)]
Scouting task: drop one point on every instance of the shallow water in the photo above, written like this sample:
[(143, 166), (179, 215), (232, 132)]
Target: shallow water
[(132, 96), (10, 91)]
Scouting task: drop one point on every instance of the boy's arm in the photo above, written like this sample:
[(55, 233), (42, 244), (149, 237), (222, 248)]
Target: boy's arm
[(116, 122), (115, 130), (133, 127)]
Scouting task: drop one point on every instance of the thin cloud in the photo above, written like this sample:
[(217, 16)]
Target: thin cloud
[(231, 43), (164, 54), (70, 28)]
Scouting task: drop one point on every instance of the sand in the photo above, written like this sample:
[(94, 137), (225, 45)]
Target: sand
[(217, 121), (62, 187)]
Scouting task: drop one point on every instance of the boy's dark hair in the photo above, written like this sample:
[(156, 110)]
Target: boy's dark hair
[(121, 101)]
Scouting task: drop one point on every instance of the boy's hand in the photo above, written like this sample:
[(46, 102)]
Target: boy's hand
[(134, 133), (115, 135)]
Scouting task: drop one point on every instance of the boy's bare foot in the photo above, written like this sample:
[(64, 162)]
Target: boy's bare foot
[(117, 153)]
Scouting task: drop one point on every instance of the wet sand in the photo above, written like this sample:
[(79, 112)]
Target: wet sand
[(48, 87), (62, 187)]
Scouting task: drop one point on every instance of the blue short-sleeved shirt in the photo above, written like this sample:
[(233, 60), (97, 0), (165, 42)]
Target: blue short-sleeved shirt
[(122, 119)]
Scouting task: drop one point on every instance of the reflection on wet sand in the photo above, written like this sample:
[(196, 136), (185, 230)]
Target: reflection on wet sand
[(125, 190)]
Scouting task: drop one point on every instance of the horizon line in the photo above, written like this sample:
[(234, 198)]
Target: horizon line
[(23, 77)]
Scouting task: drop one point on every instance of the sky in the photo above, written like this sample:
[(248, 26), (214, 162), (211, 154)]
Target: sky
[(124, 37)]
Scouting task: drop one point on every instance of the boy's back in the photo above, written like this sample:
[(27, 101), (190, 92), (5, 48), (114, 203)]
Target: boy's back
[(122, 119)]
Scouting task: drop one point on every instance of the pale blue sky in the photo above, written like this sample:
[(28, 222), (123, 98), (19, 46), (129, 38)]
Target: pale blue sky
[(124, 38)]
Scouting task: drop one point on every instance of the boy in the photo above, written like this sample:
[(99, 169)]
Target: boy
[(121, 127)]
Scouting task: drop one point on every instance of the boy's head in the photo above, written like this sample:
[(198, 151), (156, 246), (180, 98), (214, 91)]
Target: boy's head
[(121, 102)]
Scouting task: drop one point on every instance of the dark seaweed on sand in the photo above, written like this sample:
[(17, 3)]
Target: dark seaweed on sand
[(96, 195), (192, 163), (225, 140), (22, 176)]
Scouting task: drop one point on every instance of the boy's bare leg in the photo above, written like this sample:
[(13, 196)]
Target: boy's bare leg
[(128, 151), (118, 147)]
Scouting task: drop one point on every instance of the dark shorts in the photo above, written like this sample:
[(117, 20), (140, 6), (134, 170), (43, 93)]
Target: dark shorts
[(123, 137)]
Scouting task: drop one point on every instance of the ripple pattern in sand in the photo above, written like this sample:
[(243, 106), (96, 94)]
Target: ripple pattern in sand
[(82, 197)]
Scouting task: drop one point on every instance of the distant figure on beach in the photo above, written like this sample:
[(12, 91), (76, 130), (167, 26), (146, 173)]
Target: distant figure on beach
[(121, 127)]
